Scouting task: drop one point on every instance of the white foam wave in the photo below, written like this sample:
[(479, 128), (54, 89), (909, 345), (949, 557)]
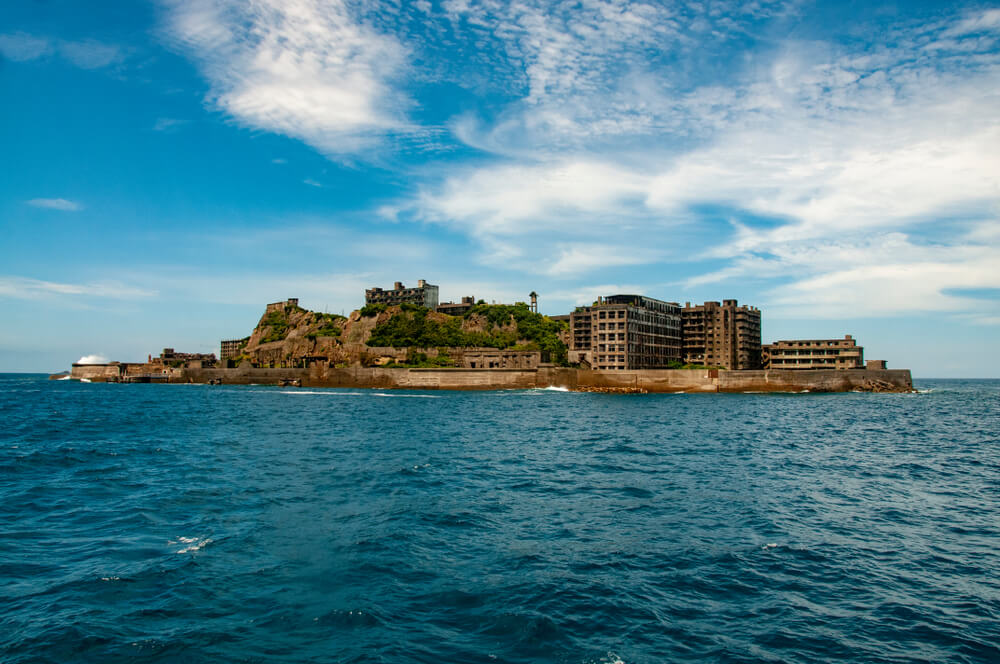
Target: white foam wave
[(553, 388), (84, 380), (194, 544), (64, 378)]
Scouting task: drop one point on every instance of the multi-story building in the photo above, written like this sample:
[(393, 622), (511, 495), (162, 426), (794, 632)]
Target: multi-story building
[(230, 348), (425, 295), (814, 354), (723, 335), (627, 332)]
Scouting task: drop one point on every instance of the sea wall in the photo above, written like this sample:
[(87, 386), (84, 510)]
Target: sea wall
[(665, 380)]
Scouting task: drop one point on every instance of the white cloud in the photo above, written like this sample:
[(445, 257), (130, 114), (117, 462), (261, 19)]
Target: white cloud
[(34, 289), (508, 200), (56, 204), (303, 68), (96, 358), (820, 154)]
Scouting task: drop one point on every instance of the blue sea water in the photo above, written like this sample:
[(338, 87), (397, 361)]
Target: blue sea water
[(202, 524)]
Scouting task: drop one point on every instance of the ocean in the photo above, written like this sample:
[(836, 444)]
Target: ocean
[(193, 523)]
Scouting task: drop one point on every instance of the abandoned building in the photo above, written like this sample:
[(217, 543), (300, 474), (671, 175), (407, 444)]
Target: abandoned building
[(457, 308), (814, 354), (230, 348), (424, 295), (624, 332), (290, 303), (722, 335)]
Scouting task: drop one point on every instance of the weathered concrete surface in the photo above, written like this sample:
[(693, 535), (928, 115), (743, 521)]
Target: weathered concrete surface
[(97, 373), (708, 381)]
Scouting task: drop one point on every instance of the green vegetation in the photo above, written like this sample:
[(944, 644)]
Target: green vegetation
[(422, 361), (509, 324), (329, 326), (278, 322), (371, 310)]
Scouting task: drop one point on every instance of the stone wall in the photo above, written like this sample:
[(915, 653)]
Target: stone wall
[(826, 380)]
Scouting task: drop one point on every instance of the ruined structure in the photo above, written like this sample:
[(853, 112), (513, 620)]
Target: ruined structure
[(626, 332), (722, 335), (424, 295), (230, 348), (457, 308), (814, 354)]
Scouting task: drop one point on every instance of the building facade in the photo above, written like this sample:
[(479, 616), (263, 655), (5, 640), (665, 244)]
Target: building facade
[(722, 335), (626, 332), (230, 348), (424, 295), (814, 354)]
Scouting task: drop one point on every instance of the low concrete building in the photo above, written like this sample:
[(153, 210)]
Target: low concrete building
[(626, 332), (457, 308), (491, 358), (424, 295), (814, 354), (722, 335), (172, 357), (290, 303)]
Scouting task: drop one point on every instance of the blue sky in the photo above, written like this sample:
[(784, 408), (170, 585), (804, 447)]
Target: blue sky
[(170, 167)]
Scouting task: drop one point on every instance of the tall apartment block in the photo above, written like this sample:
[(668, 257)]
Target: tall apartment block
[(425, 295), (724, 335), (627, 332), (816, 354), (229, 348)]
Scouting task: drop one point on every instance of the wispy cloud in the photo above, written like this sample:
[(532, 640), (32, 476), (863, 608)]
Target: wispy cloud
[(86, 54), (22, 47), (303, 68), (56, 204), (168, 124), (25, 288), (90, 54)]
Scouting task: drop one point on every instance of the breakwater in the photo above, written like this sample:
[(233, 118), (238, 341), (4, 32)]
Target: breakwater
[(654, 380)]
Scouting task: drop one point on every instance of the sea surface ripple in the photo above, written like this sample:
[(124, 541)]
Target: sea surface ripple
[(192, 523)]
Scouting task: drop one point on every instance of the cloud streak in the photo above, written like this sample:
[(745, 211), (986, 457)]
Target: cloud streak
[(61, 204), (24, 288)]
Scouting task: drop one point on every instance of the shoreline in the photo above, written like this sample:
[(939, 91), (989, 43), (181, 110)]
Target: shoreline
[(577, 380)]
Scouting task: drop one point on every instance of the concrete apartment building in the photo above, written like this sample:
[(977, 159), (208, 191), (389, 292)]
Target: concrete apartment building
[(626, 332), (230, 348), (815, 354), (425, 295), (724, 335)]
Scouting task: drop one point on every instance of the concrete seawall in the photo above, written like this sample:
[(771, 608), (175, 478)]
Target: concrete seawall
[(664, 380)]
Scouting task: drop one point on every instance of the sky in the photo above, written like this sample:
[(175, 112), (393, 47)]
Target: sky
[(168, 168)]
